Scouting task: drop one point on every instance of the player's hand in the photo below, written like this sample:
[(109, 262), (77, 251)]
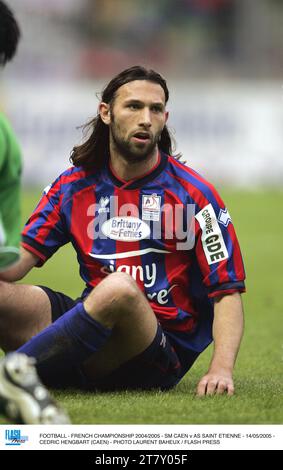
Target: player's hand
[(217, 382)]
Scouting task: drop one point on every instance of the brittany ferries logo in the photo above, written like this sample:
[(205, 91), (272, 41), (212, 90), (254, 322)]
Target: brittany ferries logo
[(126, 229)]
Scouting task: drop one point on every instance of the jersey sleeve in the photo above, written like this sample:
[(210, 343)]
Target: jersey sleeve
[(10, 178), (45, 231), (216, 246)]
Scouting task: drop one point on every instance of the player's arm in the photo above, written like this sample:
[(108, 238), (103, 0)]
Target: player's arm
[(228, 327), (26, 262)]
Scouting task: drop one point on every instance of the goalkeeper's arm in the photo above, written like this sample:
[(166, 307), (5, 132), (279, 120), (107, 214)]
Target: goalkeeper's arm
[(26, 262)]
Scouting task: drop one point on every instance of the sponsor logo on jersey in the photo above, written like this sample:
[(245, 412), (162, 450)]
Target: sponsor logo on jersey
[(147, 274), (161, 297), (151, 207), (126, 229), (213, 243)]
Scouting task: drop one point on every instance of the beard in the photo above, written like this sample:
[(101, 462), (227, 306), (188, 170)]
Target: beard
[(130, 151)]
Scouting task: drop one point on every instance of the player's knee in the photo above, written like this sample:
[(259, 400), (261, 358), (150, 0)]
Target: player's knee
[(118, 291), (123, 287)]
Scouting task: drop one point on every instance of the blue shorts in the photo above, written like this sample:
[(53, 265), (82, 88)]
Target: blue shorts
[(158, 367)]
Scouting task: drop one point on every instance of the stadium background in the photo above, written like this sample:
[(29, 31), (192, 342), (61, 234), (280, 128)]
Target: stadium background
[(223, 63)]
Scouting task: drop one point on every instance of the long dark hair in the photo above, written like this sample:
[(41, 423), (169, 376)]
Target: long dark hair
[(9, 34), (94, 152)]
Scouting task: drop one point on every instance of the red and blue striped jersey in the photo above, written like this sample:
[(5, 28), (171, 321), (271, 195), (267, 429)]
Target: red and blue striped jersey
[(140, 227)]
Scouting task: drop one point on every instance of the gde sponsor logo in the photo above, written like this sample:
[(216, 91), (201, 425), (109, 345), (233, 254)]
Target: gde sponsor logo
[(212, 240)]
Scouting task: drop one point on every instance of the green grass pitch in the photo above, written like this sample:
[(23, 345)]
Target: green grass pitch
[(259, 371)]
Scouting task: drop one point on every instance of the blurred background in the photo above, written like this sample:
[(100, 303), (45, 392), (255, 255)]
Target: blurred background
[(222, 60)]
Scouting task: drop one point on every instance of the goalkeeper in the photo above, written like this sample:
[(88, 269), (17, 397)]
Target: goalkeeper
[(10, 156)]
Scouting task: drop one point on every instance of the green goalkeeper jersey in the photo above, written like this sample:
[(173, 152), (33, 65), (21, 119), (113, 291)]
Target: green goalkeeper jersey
[(10, 175)]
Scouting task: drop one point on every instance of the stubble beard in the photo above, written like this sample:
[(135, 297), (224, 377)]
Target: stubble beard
[(132, 153)]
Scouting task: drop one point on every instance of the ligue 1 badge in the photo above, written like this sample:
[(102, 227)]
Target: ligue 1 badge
[(151, 207)]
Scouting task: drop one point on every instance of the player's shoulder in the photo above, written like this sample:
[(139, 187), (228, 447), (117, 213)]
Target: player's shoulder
[(73, 173), (74, 180), (65, 180), (183, 171), (6, 127), (71, 176), (70, 181), (198, 187)]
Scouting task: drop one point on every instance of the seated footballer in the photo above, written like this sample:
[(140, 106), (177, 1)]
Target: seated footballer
[(156, 248)]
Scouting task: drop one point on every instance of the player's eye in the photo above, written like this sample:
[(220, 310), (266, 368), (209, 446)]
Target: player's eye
[(133, 106), (157, 109)]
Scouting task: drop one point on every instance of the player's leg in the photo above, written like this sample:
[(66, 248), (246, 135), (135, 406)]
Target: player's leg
[(24, 311), (117, 303), (158, 366), (115, 309)]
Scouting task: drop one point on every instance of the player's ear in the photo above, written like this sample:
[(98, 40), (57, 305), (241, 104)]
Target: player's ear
[(166, 115), (104, 111)]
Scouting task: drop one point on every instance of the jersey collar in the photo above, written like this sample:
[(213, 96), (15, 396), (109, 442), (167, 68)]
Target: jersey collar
[(141, 180)]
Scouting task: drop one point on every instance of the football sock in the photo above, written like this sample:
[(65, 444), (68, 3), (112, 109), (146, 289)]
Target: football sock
[(66, 343)]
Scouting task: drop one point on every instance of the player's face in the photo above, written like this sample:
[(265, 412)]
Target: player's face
[(137, 118)]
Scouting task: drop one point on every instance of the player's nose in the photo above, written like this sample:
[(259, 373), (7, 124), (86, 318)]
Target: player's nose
[(145, 117)]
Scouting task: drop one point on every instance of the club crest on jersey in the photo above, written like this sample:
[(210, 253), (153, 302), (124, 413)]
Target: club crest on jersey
[(126, 229), (151, 207)]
